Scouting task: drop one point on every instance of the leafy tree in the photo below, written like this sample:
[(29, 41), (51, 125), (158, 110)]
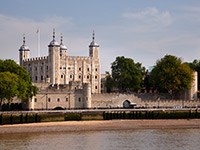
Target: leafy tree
[(109, 83), (8, 86), (25, 89), (126, 74), (171, 74)]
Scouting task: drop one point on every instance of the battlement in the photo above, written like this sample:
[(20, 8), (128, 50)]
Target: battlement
[(36, 59), (78, 58)]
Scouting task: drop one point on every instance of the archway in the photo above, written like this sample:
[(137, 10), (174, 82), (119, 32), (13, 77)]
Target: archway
[(126, 104), (58, 108)]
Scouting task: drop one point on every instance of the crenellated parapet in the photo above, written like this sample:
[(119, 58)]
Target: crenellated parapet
[(78, 58), (36, 59)]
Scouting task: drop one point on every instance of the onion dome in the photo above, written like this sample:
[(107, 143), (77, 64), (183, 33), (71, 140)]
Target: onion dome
[(93, 43), (53, 42), (24, 47), (62, 46)]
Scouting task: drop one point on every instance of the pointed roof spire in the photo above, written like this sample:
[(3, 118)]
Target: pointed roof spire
[(93, 35), (53, 42), (24, 47), (93, 43), (24, 39), (54, 34), (62, 46)]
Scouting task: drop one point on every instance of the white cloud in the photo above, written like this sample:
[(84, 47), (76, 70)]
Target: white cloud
[(12, 28), (151, 15)]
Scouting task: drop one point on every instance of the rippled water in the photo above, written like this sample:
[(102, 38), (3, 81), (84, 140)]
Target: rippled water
[(188, 139)]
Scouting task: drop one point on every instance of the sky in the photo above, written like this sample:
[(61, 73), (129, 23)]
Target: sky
[(143, 30)]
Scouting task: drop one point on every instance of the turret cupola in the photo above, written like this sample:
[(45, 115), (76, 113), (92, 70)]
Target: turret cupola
[(63, 48), (93, 43), (24, 47), (53, 42), (93, 48)]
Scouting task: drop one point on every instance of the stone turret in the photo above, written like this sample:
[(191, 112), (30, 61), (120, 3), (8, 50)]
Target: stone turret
[(94, 48), (54, 61), (23, 52)]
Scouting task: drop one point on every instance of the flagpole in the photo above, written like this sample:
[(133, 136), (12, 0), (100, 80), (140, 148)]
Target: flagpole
[(38, 32)]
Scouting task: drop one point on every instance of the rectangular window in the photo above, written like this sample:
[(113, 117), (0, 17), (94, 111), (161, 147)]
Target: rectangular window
[(41, 78), (95, 87), (49, 99), (58, 100), (70, 76), (47, 67), (35, 100), (88, 69), (35, 68), (66, 99), (79, 69), (79, 99), (61, 76), (35, 78), (95, 77), (79, 76)]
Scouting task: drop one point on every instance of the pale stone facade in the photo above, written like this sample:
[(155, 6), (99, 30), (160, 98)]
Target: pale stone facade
[(59, 68)]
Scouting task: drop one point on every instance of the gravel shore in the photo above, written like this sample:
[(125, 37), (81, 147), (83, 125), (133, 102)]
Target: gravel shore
[(77, 126)]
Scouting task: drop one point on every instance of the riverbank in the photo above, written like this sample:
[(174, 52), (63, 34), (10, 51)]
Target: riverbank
[(105, 125)]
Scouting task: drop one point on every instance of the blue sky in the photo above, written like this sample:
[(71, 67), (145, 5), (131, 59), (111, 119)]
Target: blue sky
[(144, 30)]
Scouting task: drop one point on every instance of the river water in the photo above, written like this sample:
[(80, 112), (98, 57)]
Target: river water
[(156, 139)]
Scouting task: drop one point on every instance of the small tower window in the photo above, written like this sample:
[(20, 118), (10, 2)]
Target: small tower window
[(79, 69), (79, 99), (41, 78), (88, 76), (47, 67), (79, 76), (95, 87), (66, 99), (35, 68), (49, 99), (88, 69), (58, 100), (96, 69), (35, 78), (35, 99), (70, 76), (61, 76), (95, 77)]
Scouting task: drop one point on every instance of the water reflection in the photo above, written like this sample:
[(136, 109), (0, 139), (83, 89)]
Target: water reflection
[(105, 140)]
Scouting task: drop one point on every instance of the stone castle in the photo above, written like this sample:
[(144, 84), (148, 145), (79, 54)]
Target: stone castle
[(70, 82)]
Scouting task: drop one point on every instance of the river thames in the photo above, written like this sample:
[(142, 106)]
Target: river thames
[(148, 139)]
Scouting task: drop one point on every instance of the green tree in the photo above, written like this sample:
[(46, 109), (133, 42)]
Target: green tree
[(171, 74), (126, 74), (8, 86), (109, 83), (25, 89)]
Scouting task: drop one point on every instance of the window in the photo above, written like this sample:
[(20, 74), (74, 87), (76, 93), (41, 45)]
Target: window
[(47, 76), (58, 100), (79, 69), (96, 69), (35, 78), (70, 76), (41, 78), (64, 67), (60, 67), (35, 68), (41, 68), (79, 76), (49, 99), (69, 68), (95, 87), (79, 99), (95, 77), (47, 67), (66, 99), (88, 69), (35, 99), (88, 76), (61, 76)]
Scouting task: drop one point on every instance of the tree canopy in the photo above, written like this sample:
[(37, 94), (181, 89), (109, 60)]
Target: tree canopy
[(126, 74), (19, 81), (171, 74)]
